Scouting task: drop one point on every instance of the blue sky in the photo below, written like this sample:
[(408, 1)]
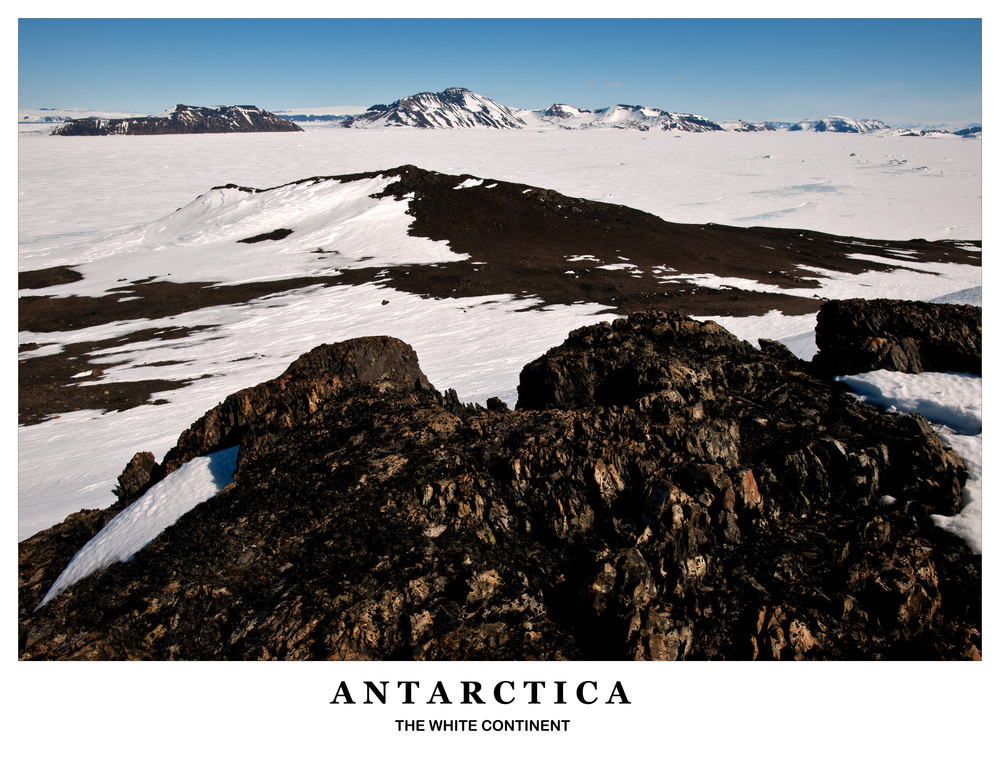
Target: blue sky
[(921, 71)]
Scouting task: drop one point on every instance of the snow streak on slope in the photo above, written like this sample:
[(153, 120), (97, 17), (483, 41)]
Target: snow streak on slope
[(137, 526)]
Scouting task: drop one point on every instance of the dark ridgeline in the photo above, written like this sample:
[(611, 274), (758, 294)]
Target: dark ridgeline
[(182, 119)]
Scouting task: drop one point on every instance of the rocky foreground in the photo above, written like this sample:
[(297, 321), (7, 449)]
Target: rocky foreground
[(663, 491)]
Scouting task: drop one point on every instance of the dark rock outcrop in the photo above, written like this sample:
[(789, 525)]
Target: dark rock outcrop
[(662, 491), (858, 335), (288, 401), (182, 119), (140, 473)]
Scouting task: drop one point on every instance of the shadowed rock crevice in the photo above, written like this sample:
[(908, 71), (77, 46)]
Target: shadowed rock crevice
[(664, 491)]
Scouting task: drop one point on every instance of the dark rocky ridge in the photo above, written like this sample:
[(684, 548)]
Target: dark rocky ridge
[(860, 335), (525, 235), (183, 119), (522, 235), (663, 491)]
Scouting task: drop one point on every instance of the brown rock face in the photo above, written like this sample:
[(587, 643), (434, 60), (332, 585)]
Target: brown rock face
[(140, 472), (663, 491), (290, 399), (857, 335)]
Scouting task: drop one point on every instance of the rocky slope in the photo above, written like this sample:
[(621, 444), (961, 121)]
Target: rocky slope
[(743, 127), (662, 491), (182, 119), (860, 335)]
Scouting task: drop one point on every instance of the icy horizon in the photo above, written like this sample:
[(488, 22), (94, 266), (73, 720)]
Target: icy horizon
[(28, 117)]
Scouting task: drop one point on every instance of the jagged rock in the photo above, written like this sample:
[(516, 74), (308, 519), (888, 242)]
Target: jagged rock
[(858, 335), (289, 400), (140, 472), (663, 491)]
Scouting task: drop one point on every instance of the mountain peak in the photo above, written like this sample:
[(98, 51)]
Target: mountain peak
[(452, 108)]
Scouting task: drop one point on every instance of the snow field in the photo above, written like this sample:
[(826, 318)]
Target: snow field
[(85, 185)]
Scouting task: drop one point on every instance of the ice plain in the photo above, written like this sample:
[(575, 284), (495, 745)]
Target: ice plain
[(110, 204)]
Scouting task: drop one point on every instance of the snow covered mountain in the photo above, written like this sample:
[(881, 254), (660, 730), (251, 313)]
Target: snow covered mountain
[(182, 119), (625, 116), (461, 108), (451, 108), (742, 126), (840, 125)]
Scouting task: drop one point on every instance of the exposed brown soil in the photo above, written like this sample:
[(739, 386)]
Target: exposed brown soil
[(46, 384), (51, 385), (142, 299), (49, 276), (520, 240)]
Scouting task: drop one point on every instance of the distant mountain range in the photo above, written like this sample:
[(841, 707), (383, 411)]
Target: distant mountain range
[(462, 108), (624, 116), (182, 119), (840, 125), (451, 108)]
